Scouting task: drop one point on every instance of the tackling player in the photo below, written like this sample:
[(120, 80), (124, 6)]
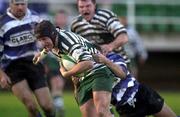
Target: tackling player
[(131, 98)]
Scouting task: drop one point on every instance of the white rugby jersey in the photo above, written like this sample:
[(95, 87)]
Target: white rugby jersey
[(103, 28)]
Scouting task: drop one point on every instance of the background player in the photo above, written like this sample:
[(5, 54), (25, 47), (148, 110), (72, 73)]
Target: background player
[(134, 48), (101, 27), (55, 80), (17, 48)]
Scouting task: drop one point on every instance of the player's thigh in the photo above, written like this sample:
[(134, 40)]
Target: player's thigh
[(102, 98), (103, 80), (100, 81), (165, 112), (35, 76), (22, 91), (56, 83), (88, 109), (43, 96), (102, 87), (84, 93)]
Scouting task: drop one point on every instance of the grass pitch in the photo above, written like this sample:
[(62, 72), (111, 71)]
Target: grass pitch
[(11, 107)]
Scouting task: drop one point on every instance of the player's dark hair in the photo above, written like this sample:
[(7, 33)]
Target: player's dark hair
[(46, 29), (18, 1)]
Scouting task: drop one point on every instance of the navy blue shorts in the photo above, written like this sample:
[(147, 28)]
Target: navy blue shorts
[(23, 69), (148, 102)]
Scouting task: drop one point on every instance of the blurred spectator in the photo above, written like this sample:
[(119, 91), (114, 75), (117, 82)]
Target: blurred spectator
[(3, 6), (61, 19), (56, 83), (134, 48), (55, 80), (40, 7)]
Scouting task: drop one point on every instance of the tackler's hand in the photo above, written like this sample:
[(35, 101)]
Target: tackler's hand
[(5, 81), (99, 58)]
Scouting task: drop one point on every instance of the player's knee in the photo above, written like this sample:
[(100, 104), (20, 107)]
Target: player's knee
[(30, 104), (102, 110), (47, 107), (166, 111)]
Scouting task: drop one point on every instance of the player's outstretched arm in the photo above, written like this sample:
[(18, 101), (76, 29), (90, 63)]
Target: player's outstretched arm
[(77, 69), (118, 42), (115, 68)]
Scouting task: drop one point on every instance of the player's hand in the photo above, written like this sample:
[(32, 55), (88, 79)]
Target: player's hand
[(106, 48), (39, 56), (76, 84), (75, 80), (36, 58), (99, 58), (5, 81), (64, 72)]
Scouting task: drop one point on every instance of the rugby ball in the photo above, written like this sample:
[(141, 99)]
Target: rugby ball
[(68, 61)]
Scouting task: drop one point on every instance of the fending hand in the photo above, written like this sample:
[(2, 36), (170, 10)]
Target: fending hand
[(39, 56), (36, 58), (64, 72), (99, 58)]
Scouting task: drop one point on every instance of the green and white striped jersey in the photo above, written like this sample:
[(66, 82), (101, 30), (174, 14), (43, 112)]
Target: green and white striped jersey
[(78, 47)]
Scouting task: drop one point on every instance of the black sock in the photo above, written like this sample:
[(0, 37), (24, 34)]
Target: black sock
[(50, 114), (39, 115)]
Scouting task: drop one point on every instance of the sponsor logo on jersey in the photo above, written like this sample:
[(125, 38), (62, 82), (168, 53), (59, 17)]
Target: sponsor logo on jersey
[(22, 38)]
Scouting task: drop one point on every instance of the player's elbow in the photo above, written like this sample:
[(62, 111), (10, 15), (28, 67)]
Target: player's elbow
[(123, 76), (123, 37), (89, 65)]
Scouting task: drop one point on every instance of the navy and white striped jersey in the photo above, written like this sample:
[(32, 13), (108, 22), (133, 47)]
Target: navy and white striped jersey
[(78, 47), (125, 89), (103, 28), (16, 37)]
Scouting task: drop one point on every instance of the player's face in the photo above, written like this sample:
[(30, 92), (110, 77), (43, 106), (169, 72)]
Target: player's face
[(61, 20), (46, 43), (18, 9), (86, 9)]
